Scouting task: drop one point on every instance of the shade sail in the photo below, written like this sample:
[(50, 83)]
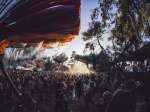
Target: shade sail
[(33, 21)]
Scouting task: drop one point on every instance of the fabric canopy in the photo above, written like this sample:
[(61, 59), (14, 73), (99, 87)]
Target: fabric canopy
[(33, 21)]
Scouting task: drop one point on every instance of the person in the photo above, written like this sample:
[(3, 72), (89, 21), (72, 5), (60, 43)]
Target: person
[(79, 88), (124, 99)]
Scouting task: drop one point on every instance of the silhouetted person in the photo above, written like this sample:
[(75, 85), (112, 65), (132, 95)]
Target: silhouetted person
[(79, 88), (124, 99)]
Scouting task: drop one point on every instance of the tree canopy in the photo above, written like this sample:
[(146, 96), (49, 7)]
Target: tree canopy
[(126, 21)]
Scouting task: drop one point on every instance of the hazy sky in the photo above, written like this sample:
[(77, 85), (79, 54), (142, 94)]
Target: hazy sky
[(77, 44)]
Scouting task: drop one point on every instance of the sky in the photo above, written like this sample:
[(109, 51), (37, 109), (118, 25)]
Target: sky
[(77, 44)]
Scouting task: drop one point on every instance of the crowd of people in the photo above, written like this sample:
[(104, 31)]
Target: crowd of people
[(62, 92)]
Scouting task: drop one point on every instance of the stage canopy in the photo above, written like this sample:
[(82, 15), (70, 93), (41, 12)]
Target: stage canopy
[(33, 21)]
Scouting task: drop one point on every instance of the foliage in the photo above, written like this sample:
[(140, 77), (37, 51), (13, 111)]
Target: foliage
[(60, 59), (57, 63), (127, 20)]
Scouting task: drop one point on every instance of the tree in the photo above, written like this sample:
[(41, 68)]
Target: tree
[(127, 20), (49, 65), (56, 63), (60, 60)]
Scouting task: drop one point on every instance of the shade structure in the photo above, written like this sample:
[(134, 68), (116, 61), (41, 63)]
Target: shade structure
[(32, 21)]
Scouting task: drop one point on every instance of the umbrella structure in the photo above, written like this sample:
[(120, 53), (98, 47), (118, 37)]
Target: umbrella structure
[(33, 21)]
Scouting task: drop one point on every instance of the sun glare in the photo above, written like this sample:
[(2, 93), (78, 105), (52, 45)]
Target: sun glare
[(79, 68)]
